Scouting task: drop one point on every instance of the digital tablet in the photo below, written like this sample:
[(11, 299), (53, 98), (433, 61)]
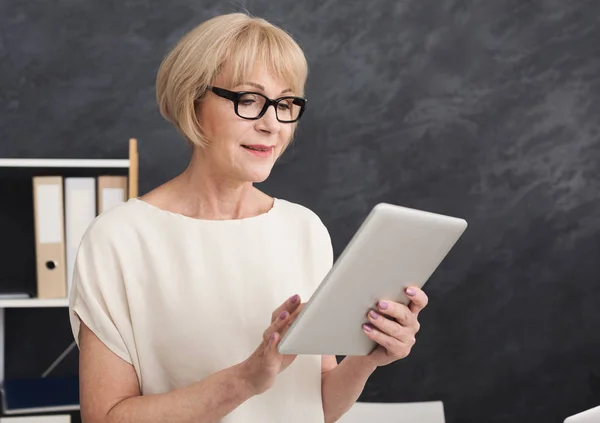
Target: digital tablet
[(589, 416), (395, 247)]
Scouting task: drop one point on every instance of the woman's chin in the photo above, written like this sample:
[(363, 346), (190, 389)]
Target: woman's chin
[(258, 175)]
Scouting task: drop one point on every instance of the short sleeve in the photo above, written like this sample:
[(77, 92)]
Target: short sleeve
[(98, 294)]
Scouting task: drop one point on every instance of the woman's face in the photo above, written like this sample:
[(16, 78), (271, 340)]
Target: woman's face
[(242, 150)]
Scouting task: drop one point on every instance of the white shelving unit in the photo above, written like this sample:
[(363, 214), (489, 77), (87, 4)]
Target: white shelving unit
[(65, 163), (34, 303), (23, 303), (131, 164)]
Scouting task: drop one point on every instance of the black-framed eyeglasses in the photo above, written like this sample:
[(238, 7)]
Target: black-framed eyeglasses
[(252, 105)]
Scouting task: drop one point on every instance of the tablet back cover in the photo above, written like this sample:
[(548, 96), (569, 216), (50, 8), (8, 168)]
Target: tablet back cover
[(394, 247)]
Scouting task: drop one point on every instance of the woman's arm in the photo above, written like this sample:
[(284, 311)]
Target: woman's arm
[(341, 385), (393, 327), (110, 393)]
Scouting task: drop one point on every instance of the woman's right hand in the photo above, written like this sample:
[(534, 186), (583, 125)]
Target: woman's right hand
[(262, 367)]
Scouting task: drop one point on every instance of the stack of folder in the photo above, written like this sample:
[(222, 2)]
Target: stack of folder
[(64, 207)]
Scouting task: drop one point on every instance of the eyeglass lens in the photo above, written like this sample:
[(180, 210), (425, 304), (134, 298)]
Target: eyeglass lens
[(250, 106)]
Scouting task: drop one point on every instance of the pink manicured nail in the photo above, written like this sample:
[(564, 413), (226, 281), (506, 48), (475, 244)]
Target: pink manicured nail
[(411, 292), (283, 315), (272, 336), (367, 328), (294, 299), (383, 305), (373, 314)]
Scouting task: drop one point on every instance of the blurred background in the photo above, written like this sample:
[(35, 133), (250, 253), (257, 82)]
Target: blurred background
[(489, 111)]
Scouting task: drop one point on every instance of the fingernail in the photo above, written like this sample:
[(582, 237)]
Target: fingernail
[(294, 299), (367, 328), (383, 305), (373, 314), (272, 336), (411, 292), (283, 315)]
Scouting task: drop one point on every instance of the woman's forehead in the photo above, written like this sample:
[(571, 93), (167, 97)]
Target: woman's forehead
[(260, 76)]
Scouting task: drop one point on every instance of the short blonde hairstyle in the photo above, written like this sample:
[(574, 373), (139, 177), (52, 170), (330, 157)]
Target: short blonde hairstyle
[(236, 40)]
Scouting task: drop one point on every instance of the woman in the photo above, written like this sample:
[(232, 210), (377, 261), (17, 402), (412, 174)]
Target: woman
[(180, 296)]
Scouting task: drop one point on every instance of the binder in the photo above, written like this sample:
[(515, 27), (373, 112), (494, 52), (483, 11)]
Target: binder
[(112, 190), (80, 211), (49, 236)]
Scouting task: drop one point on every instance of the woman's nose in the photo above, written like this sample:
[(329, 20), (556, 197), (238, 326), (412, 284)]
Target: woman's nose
[(269, 120)]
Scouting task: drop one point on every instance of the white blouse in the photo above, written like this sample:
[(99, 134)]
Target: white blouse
[(181, 298)]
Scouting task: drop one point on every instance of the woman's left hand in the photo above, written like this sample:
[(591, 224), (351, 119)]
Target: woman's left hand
[(394, 326)]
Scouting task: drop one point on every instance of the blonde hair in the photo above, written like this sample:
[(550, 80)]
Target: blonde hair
[(237, 40)]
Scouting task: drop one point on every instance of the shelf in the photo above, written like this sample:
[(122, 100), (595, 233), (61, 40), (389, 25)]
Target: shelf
[(66, 163), (34, 303)]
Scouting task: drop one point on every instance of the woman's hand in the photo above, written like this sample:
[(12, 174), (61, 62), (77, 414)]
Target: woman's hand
[(262, 367), (394, 326)]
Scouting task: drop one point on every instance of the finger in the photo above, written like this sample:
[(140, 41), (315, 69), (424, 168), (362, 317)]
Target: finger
[(395, 347), (291, 319), (290, 305), (384, 324), (418, 299), (277, 326), (296, 312), (287, 322), (397, 311), (273, 341), (271, 352), (393, 328)]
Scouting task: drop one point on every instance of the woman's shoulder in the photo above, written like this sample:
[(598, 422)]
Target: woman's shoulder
[(299, 213), (309, 228), (119, 219)]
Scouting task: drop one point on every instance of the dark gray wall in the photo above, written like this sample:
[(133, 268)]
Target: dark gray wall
[(485, 110)]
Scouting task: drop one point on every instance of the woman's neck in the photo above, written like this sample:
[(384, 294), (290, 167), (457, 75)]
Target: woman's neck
[(200, 193)]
